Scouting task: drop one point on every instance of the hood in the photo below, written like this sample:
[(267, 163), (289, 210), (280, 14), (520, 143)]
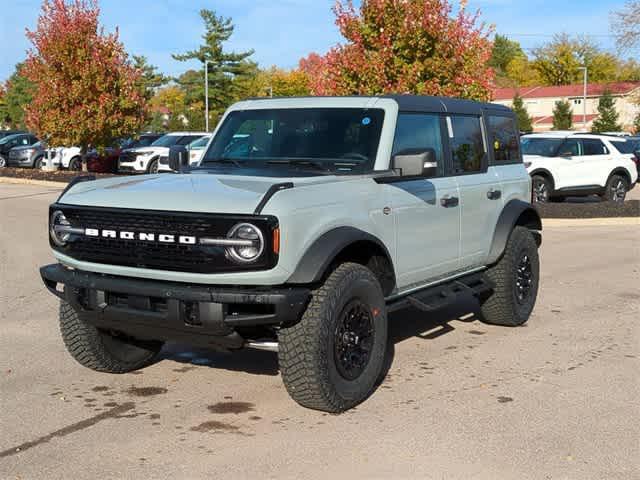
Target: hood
[(147, 149), (178, 192)]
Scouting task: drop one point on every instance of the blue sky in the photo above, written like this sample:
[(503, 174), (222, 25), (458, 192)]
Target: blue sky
[(282, 31)]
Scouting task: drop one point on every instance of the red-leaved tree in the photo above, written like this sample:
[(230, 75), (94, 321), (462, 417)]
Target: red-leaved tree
[(86, 87), (405, 46)]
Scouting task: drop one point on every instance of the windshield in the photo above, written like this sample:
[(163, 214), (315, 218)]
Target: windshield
[(8, 138), (545, 147), (166, 141), (340, 140)]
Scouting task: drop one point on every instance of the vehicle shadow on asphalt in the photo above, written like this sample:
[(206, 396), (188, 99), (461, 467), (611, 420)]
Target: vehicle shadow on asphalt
[(404, 324)]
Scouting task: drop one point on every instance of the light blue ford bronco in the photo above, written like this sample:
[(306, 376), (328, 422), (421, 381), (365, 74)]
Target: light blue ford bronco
[(307, 221)]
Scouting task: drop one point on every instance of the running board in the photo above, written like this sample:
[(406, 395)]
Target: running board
[(438, 296)]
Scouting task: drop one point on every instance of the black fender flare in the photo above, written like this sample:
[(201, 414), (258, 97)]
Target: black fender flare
[(511, 215), (545, 173), (323, 251), (622, 172)]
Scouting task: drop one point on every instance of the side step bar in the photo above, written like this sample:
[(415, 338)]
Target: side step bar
[(438, 296)]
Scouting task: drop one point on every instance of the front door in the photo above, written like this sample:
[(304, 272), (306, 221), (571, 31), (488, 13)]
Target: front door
[(426, 210)]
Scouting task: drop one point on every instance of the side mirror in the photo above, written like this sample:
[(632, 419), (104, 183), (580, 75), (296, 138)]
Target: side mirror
[(178, 158), (416, 162)]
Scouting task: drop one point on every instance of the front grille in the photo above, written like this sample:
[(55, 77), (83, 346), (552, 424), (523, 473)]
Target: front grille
[(156, 255), (127, 157)]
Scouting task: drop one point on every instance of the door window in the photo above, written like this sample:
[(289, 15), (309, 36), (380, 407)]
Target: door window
[(467, 144), (570, 148), (592, 146), (418, 132), (504, 139)]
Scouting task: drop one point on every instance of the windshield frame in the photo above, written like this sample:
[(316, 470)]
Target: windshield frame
[(289, 122)]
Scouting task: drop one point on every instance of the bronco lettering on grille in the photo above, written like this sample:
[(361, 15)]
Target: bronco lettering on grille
[(142, 236)]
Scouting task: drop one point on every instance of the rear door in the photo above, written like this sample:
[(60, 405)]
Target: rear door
[(596, 162), (480, 187), (567, 165), (506, 161), (426, 210)]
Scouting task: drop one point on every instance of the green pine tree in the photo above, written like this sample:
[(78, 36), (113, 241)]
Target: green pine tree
[(607, 120), (18, 95), (524, 120), (228, 72), (562, 116), (636, 124)]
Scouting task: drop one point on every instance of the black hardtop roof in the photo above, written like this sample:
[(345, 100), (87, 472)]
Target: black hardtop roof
[(423, 103)]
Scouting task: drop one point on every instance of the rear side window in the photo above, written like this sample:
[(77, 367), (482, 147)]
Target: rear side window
[(592, 146), (625, 147), (504, 139), (467, 146), (418, 132)]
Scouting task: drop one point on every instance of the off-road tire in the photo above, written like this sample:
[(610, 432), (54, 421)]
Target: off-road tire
[(306, 350), (616, 189), (503, 306), (100, 350)]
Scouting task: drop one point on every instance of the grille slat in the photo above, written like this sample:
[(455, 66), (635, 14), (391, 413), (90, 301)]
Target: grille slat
[(156, 255)]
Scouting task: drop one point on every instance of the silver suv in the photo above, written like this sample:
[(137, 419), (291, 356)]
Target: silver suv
[(305, 224)]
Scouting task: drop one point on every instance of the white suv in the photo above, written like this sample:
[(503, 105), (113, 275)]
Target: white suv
[(146, 159), (564, 164)]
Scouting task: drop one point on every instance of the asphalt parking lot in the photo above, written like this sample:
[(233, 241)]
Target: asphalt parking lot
[(556, 399)]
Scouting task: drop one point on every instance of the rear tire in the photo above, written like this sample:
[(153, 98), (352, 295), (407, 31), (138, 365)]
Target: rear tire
[(616, 189), (516, 277), (334, 357), (101, 351)]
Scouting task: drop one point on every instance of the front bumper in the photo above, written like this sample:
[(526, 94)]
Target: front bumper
[(156, 310), (19, 161)]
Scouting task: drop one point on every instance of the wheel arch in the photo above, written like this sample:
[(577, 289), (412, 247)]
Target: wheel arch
[(515, 213), (543, 172), (340, 245), (620, 171)]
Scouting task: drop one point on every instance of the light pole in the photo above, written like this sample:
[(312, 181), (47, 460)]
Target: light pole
[(584, 98), (206, 95)]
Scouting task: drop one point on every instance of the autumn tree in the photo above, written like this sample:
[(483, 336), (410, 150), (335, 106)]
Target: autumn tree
[(18, 94), (608, 116), (4, 114), (150, 79), (507, 57), (410, 46), (277, 82), (86, 88), (228, 72), (625, 24), (636, 124), (168, 106), (562, 116), (524, 120)]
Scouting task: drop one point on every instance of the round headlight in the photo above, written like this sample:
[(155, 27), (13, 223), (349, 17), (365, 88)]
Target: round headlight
[(59, 234), (254, 243)]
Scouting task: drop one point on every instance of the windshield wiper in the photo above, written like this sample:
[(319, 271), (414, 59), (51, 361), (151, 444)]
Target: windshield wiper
[(319, 166), (223, 160)]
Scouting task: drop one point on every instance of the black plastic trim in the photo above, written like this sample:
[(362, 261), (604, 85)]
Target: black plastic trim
[(321, 254), (273, 189), (506, 222), (546, 172), (75, 181)]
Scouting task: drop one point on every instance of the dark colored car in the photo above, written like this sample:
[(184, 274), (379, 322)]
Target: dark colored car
[(12, 141), (27, 156), (6, 133), (104, 162), (631, 146)]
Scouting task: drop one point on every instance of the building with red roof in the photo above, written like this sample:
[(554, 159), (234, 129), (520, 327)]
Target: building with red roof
[(539, 102)]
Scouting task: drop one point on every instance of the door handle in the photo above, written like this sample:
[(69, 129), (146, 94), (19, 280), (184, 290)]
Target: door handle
[(494, 194), (448, 201)]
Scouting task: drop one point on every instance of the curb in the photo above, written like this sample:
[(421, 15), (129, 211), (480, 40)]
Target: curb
[(28, 181), (590, 222)]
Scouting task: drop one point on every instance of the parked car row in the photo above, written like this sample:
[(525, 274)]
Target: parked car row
[(563, 164)]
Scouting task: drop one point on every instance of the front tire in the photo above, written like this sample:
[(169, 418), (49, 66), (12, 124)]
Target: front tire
[(516, 277), (3, 162), (616, 189), (542, 189), (37, 164), (101, 351), (153, 166), (334, 357), (75, 164)]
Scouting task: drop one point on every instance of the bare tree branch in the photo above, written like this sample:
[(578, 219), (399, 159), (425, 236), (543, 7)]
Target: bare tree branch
[(625, 25)]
